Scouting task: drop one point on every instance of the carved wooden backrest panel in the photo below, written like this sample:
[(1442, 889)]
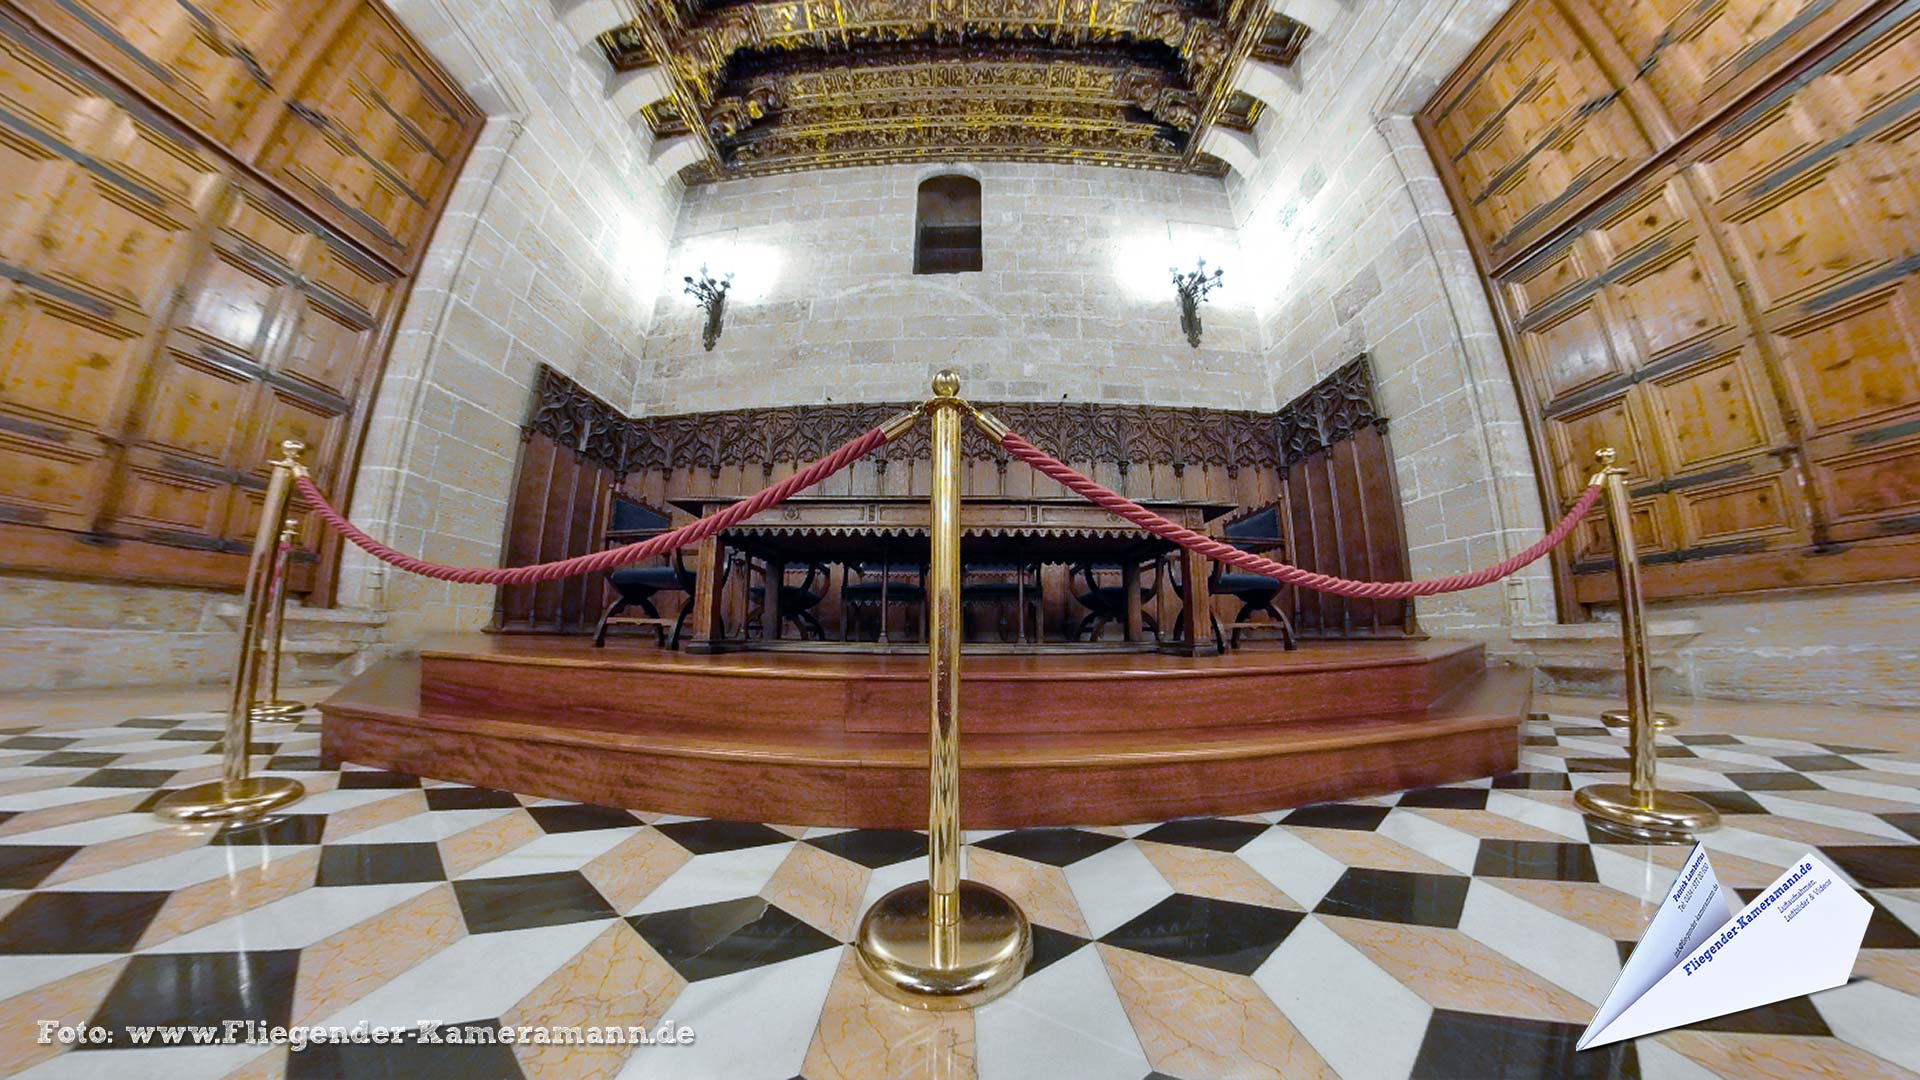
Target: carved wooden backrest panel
[(1734, 307), (167, 316)]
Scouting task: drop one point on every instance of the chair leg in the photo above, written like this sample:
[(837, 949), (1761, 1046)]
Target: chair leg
[(1287, 638), (680, 623), (807, 621), (1089, 621), (600, 631)]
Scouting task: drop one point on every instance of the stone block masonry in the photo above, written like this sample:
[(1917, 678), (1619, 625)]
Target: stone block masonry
[(1074, 299)]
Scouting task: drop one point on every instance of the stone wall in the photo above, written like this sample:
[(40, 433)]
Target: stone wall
[(1074, 299), (550, 250), (1354, 249)]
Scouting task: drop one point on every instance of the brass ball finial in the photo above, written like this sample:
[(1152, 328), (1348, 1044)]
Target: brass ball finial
[(947, 383), (1605, 456)]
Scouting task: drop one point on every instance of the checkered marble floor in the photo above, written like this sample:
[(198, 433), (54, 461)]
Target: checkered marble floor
[(1463, 931)]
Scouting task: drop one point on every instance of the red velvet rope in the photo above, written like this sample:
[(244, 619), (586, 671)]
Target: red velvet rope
[(685, 535), (1291, 575)]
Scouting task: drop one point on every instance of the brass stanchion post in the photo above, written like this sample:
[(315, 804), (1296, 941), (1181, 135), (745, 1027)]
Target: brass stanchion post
[(237, 794), (1637, 809), (275, 707), (944, 943)]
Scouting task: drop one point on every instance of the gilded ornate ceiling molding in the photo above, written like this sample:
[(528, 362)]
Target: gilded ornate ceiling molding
[(783, 85)]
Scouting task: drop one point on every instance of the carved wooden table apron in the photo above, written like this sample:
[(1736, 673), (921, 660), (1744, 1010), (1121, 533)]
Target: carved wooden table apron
[(864, 529)]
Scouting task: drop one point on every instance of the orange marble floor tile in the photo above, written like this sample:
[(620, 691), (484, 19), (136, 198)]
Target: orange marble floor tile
[(271, 1065), (1198, 1023), (1897, 968), (1356, 847), (487, 841), (223, 897), (1847, 800), (1780, 1057), (1450, 970), (1734, 871), (72, 1000), (1219, 875), (396, 807), (863, 1036), (127, 851), (821, 888), (1041, 890), (1810, 833), (1489, 825), (1604, 910), (628, 871), (72, 813), (618, 979), (51, 778), (795, 831), (339, 970)]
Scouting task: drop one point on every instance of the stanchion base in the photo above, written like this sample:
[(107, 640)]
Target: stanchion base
[(220, 801), (994, 944), (275, 710), (1672, 819), (1617, 718)]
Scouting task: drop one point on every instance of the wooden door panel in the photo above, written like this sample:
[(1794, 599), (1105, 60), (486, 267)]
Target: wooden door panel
[(1573, 350), (1802, 239), (232, 303), (47, 482), (198, 408), (171, 501), (1873, 491), (1710, 414), (103, 240), (1653, 216), (1751, 511), (1697, 58), (1615, 422), (326, 349), (64, 365), (1672, 301), (1853, 366)]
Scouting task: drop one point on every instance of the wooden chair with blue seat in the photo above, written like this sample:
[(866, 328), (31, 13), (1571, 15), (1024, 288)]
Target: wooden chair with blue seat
[(1004, 586), (637, 586), (796, 601), (1108, 603), (1257, 532), (876, 588)]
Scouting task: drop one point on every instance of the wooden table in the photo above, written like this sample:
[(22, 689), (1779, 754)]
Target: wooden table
[(867, 529)]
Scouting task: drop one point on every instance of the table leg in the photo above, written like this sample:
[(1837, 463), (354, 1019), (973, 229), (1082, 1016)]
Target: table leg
[(1197, 606), (776, 581), (704, 625), (1130, 583)]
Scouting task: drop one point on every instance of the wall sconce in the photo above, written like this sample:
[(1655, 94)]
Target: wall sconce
[(1193, 287), (711, 295)]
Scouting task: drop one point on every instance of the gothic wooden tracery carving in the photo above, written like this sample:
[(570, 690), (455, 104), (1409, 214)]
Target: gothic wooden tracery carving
[(1128, 435)]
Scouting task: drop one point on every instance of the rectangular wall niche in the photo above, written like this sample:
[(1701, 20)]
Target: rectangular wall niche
[(947, 226)]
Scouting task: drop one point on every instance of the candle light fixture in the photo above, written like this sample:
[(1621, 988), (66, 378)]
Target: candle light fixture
[(1193, 287), (711, 294)]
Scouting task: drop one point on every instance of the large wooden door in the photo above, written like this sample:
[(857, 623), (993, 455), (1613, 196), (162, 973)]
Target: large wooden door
[(1734, 310), (169, 312)]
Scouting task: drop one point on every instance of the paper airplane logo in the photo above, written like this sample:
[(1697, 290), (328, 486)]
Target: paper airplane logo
[(1699, 959)]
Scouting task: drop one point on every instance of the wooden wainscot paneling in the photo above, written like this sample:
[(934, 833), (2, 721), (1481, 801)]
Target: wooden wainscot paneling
[(1735, 314), (168, 316), (1325, 455), (1341, 507)]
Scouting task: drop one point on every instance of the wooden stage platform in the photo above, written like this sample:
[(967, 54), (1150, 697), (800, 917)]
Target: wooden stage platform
[(841, 739)]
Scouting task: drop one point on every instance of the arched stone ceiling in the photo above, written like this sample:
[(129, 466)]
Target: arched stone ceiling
[(764, 86)]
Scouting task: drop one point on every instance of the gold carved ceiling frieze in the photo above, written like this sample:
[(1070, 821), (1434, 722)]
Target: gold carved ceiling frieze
[(782, 85)]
